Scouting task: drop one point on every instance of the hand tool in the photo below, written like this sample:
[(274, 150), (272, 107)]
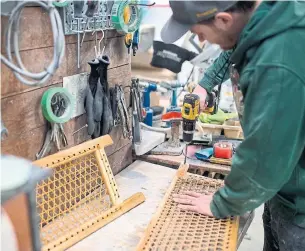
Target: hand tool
[(113, 91), (78, 14), (123, 113), (135, 42), (148, 88), (223, 150), (85, 126), (211, 102), (135, 104), (128, 41), (190, 113)]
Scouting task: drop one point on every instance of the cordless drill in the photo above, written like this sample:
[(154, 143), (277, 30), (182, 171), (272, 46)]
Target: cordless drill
[(212, 104), (190, 113)]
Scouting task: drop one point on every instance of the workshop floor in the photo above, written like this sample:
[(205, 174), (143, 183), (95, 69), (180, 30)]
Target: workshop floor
[(254, 239)]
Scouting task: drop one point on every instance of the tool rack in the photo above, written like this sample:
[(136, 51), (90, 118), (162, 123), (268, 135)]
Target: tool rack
[(100, 20)]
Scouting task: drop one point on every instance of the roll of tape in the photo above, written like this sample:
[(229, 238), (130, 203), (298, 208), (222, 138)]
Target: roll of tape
[(118, 17), (46, 105), (60, 3)]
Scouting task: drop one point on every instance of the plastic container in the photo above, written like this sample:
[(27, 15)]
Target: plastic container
[(233, 132), (210, 128)]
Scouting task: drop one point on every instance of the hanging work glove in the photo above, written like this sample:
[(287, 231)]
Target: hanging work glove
[(89, 101), (107, 118)]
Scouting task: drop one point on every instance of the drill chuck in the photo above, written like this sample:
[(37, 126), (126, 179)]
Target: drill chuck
[(190, 112), (188, 130)]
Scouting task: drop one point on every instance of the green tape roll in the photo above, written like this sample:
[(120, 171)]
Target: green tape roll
[(47, 108), (61, 3), (117, 17)]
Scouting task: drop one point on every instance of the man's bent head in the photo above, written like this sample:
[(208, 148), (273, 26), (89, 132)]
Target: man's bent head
[(219, 22)]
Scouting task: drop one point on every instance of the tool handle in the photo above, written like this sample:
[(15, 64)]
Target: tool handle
[(92, 4), (136, 129), (78, 8)]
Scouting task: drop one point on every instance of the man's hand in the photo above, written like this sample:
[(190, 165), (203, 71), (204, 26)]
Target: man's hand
[(195, 202), (202, 93)]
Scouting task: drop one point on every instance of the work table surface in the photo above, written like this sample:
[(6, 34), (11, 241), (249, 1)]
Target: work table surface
[(125, 232), (174, 162)]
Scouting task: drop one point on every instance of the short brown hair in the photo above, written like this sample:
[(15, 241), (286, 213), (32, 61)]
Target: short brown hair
[(240, 6)]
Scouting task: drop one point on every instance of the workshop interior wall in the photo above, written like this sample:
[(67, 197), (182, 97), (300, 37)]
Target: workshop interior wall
[(20, 104)]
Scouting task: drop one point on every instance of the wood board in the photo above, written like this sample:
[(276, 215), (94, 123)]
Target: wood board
[(194, 164)]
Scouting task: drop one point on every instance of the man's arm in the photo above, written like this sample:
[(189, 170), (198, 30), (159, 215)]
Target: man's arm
[(274, 128), (213, 76), (217, 72)]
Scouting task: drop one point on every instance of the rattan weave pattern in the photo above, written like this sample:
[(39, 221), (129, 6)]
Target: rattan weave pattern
[(80, 197), (175, 229), (72, 186)]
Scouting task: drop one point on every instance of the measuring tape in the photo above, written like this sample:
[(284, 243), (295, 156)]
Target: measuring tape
[(126, 17), (48, 100)]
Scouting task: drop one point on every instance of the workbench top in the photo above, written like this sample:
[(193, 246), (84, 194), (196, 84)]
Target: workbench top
[(174, 162), (125, 232)]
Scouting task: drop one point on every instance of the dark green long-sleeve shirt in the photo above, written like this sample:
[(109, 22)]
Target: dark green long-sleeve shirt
[(270, 163)]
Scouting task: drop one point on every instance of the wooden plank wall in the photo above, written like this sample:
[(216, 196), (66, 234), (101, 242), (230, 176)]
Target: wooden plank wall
[(20, 104)]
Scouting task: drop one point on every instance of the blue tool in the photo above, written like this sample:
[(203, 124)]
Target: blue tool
[(135, 42), (173, 107), (172, 86), (148, 88)]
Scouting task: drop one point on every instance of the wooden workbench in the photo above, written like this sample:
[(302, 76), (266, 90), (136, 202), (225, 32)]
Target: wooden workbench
[(125, 232), (195, 165)]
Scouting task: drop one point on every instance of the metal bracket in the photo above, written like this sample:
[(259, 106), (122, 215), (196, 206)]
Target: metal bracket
[(100, 20)]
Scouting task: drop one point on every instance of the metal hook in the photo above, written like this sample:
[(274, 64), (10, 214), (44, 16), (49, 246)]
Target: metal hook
[(86, 27), (98, 53), (99, 45)]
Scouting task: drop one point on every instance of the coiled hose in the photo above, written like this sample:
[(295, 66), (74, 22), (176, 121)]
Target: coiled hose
[(19, 70)]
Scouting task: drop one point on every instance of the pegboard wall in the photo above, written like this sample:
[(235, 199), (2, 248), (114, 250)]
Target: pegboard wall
[(77, 16)]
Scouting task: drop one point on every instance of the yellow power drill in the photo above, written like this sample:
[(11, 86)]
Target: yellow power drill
[(190, 112)]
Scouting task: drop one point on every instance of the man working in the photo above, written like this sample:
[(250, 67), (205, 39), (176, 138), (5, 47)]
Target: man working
[(264, 54)]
